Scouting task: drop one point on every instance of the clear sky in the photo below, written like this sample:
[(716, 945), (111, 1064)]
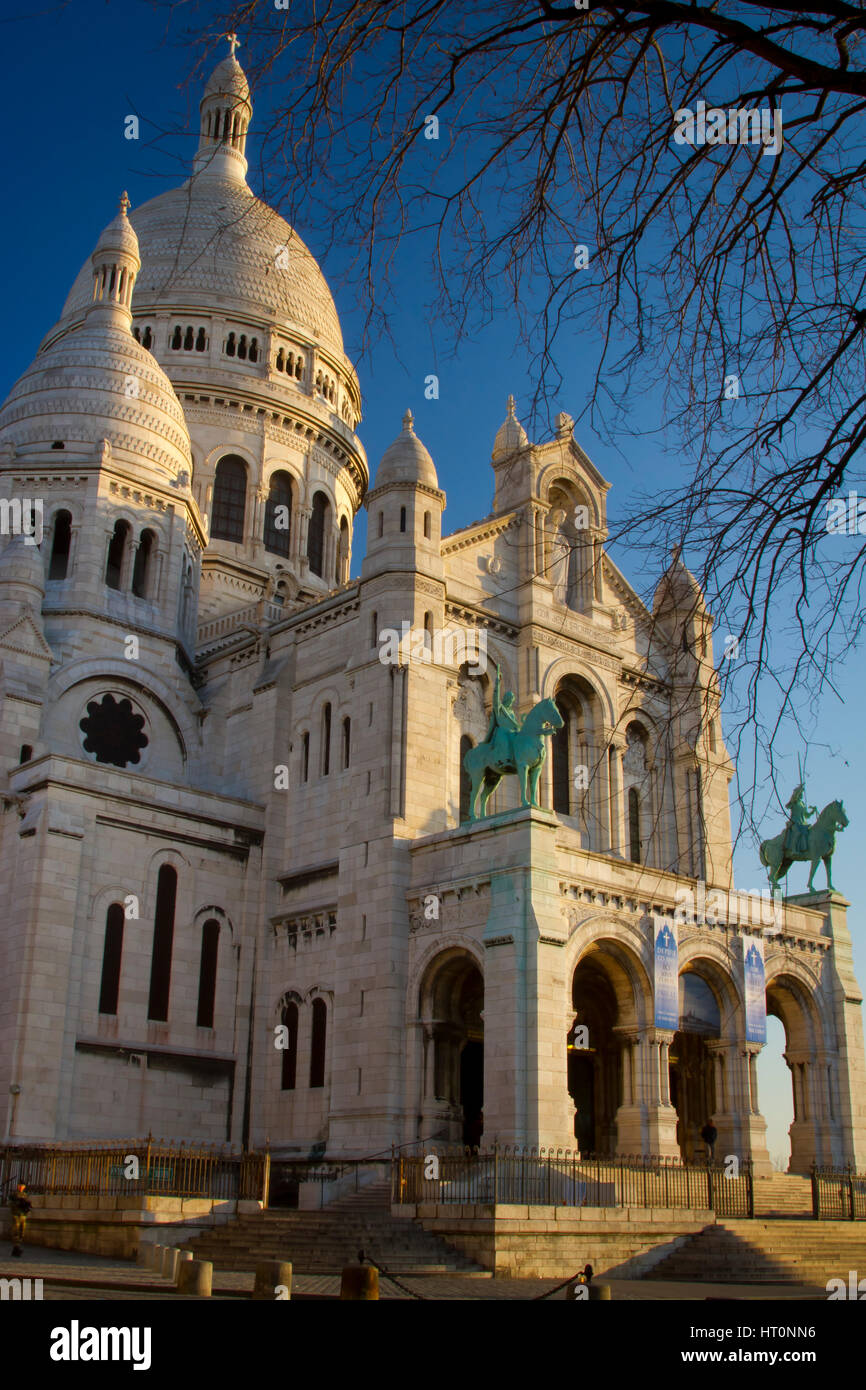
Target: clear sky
[(72, 74)]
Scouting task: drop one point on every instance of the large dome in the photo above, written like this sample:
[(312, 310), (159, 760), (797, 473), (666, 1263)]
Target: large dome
[(213, 245)]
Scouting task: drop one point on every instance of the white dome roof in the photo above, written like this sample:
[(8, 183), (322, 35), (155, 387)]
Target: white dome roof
[(212, 244), (228, 78), (407, 460), (511, 437), (96, 383)]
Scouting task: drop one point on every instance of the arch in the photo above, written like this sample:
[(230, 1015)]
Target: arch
[(163, 939), (112, 951), (318, 1043), (61, 542), (278, 514), (201, 341), (451, 1006), (316, 537), (142, 567), (116, 557), (229, 499), (207, 976)]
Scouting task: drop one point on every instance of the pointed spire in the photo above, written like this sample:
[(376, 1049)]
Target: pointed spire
[(409, 423), (511, 437)]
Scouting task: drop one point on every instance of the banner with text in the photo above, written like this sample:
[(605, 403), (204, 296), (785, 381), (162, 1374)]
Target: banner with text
[(667, 996), (755, 989)]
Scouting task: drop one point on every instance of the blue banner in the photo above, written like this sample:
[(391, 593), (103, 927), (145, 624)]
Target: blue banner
[(667, 994), (755, 990)]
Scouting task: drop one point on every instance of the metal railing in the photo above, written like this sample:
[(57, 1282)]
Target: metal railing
[(563, 1177), (144, 1167), (838, 1194)]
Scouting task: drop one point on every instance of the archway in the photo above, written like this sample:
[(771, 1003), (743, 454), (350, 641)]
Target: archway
[(610, 996), (816, 1114), (692, 1069), (452, 1004)]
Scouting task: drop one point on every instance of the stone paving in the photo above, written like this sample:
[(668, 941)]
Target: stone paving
[(72, 1276)]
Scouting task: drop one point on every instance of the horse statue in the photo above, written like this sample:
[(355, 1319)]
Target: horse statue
[(521, 751), (818, 842)]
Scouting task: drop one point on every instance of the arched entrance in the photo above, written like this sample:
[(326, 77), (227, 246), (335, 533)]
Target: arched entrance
[(815, 1131), (452, 1004), (594, 1069), (692, 1067)]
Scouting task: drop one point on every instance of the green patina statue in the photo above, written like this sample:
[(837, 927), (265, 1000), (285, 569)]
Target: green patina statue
[(801, 840), (510, 747)]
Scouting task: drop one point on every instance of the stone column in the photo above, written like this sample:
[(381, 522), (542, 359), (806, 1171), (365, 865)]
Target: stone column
[(647, 1122), (304, 514), (615, 815)]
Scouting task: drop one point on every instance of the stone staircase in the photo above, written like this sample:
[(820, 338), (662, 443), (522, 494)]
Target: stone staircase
[(783, 1195), (768, 1251), (323, 1242)]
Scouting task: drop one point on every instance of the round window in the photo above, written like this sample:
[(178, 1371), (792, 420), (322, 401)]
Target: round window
[(113, 731)]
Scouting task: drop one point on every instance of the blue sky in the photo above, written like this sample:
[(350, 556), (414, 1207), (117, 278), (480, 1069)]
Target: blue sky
[(73, 73)]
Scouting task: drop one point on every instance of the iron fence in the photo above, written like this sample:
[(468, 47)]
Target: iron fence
[(562, 1177), (838, 1194), (144, 1167)]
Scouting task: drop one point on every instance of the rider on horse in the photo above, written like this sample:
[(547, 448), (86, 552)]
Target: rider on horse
[(503, 721), (798, 827)]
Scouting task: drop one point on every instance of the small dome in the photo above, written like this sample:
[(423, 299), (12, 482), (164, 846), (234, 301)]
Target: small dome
[(678, 587), (118, 237), (511, 437), (407, 460), (228, 79), (21, 564)]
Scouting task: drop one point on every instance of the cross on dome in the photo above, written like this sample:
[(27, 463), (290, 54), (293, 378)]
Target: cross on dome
[(233, 42), (123, 205)]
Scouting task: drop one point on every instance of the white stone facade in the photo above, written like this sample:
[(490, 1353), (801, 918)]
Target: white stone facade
[(288, 848)]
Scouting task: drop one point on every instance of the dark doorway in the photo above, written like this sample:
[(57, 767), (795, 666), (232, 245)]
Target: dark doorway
[(472, 1092), (594, 1080), (692, 1076)]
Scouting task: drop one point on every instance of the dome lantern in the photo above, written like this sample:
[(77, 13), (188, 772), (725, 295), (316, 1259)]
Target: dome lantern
[(116, 262), (226, 111)]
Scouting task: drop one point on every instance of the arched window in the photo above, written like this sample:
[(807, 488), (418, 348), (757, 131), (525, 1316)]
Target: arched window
[(281, 360), (326, 740), (207, 975), (163, 940), (229, 499), (60, 543), (316, 538), (188, 339), (402, 518), (465, 779), (427, 525), (147, 339), (242, 347), (177, 338), (289, 1068), (278, 514), (347, 740), (319, 1039), (633, 825), (230, 345), (305, 757), (141, 568), (254, 349), (116, 553), (299, 368), (109, 989), (200, 340), (562, 770)]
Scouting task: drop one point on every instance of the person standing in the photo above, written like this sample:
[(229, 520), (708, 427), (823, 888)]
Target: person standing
[(20, 1207), (710, 1134)]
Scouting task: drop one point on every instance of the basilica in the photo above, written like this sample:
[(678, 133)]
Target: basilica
[(247, 899)]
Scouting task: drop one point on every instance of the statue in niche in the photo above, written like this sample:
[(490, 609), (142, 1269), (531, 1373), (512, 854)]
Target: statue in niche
[(634, 758), (562, 561)]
